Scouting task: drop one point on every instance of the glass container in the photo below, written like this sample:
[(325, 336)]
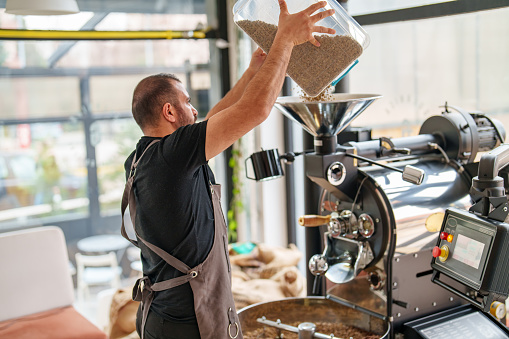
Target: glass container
[(312, 68)]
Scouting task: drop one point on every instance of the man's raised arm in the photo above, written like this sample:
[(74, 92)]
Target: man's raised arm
[(255, 104), (236, 92)]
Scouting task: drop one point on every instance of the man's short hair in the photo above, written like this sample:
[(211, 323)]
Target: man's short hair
[(150, 95)]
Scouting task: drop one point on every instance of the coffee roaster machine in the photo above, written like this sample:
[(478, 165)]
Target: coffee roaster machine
[(388, 208)]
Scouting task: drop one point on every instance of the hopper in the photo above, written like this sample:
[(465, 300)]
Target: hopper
[(325, 118)]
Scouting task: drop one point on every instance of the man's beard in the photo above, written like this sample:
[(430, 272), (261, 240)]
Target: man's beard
[(184, 120)]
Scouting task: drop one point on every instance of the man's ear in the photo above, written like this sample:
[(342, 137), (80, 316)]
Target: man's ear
[(168, 112)]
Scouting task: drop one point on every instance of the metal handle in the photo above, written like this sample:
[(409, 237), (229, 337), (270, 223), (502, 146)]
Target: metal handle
[(491, 163), (245, 166), (413, 175)]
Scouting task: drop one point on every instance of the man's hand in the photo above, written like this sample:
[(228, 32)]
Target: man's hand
[(257, 59), (299, 27)]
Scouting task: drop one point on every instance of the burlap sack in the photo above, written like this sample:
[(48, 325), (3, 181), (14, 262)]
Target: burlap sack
[(279, 256), (287, 283), (247, 292), (123, 315), (267, 273), (291, 282), (246, 260)]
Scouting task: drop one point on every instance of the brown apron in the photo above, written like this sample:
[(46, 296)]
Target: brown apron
[(210, 281)]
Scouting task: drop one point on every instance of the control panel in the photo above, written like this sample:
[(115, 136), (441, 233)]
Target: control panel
[(475, 252)]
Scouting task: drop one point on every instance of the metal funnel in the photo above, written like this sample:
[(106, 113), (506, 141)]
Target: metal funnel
[(325, 118)]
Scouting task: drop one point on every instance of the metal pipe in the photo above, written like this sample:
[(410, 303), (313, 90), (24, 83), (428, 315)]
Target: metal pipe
[(23, 34), (374, 162), (94, 207), (290, 174), (417, 144), (313, 237)]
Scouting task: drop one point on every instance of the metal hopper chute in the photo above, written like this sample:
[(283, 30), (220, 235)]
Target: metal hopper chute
[(325, 119)]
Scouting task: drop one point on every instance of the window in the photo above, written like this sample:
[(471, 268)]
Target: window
[(35, 97), (43, 173), (112, 93), (116, 139), (66, 126), (420, 65)]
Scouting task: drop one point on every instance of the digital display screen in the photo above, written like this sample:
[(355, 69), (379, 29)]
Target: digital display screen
[(468, 251)]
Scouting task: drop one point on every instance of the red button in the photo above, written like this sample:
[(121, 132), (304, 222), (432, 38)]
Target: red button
[(444, 235), (436, 252)]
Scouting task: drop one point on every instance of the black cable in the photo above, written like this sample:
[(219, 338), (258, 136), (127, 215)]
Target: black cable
[(357, 194)]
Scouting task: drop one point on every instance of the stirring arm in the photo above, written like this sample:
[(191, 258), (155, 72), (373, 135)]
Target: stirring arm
[(411, 174)]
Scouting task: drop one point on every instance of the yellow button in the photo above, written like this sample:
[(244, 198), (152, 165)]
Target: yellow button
[(444, 253), (450, 237), (497, 309)]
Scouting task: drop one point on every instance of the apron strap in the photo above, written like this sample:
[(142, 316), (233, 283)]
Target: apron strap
[(143, 291), (128, 196), (129, 199), (233, 332), (171, 260)]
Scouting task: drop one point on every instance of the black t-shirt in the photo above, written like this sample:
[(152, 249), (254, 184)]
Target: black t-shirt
[(174, 211)]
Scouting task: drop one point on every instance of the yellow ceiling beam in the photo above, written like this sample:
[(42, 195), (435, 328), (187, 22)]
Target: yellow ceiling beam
[(23, 34)]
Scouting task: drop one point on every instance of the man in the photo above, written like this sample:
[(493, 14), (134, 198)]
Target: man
[(173, 199)]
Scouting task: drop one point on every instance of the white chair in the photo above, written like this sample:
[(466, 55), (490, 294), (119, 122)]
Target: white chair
[(133, 254), (36, 289), (137, 268), (96, 270)]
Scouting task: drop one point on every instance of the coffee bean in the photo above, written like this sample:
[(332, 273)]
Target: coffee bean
[(312, 68)]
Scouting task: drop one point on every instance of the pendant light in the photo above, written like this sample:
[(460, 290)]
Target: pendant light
[(41, 7)]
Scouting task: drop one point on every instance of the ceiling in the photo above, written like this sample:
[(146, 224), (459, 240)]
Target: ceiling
[(140, 6)]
